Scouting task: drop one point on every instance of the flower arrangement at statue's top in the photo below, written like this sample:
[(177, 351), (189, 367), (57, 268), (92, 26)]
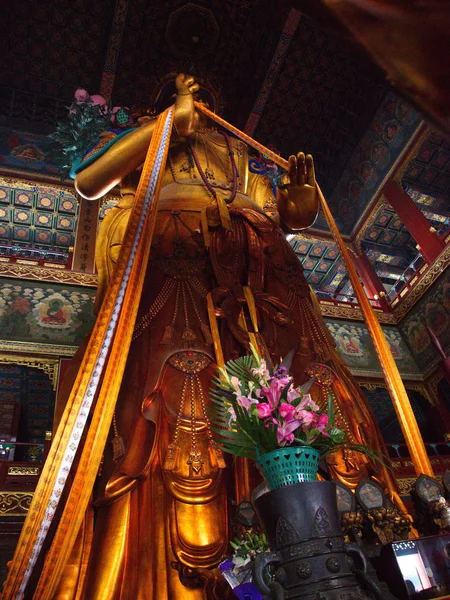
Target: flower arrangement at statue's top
[(88, 117), (260, 414)]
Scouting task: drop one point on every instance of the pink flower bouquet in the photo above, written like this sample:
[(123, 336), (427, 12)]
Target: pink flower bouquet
[(255, 411)]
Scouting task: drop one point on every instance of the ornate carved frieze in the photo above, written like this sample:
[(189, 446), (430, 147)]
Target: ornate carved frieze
[(29, 271), (15, 504), (405, 485), (50, 366), (432, 385), (436, 269), (353, 312), (28, 348), (22, 470)]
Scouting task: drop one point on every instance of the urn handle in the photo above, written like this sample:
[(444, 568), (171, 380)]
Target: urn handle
[(353, 548), (361, 574), (273, 590)]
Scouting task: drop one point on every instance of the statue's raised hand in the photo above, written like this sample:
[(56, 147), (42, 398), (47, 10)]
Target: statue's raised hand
[(185, 114), (186, 84), (298, 201)]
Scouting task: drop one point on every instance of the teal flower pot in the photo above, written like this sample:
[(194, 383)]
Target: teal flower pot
[(287, 466)]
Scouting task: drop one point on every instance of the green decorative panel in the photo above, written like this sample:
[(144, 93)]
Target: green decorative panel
[(355, 346), (45, 313)]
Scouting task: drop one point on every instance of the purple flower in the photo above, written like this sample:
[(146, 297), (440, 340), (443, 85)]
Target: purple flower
[(281, 373)]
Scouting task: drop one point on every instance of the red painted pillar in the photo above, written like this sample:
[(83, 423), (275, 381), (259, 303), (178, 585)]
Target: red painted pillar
[(372, 283), (415, 222)]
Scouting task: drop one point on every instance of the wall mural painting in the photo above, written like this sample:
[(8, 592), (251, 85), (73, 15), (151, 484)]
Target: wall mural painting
[(355, 346), (432, 310), (45, 313), (25, 151)]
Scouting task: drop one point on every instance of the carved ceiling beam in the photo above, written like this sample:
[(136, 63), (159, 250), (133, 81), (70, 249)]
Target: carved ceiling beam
[(287, 34), (384, 249), (112, 54), (50, 366)]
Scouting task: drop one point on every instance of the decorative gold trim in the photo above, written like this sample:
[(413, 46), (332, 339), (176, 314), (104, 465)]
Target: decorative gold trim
[(412, 384), (318, 234), (22, 470), (353, 312), (29, 271), (22, 179), (27, 348), (371, 385), (370, 220), (421, 388), (432, 383), (15, 504), (405, 485), (379, 375), (433, 273), (50, 366)]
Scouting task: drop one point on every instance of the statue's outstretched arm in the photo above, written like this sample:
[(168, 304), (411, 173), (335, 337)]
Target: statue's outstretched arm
[(297, 198), (128, 153)]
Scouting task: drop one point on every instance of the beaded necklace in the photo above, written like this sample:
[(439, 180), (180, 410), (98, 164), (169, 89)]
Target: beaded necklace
[(192, 155)]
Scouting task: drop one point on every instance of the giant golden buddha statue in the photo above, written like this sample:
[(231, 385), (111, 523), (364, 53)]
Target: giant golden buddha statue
[(219, 245)]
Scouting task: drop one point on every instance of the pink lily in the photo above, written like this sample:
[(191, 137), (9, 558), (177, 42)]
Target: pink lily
[(273, 392), (322, 425), (246, 402), (292, 394), (305, 417), (308, 402), (262, 371), (285, 432), (235, 382), (287, 411), (232, 414), (99, 100), (264, 410)]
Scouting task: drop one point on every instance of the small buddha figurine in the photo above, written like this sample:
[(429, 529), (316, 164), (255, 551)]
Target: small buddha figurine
[(163, 500)]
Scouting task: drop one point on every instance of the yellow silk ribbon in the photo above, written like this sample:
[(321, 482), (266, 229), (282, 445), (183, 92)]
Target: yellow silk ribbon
[(89, 464), (90, 458)]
